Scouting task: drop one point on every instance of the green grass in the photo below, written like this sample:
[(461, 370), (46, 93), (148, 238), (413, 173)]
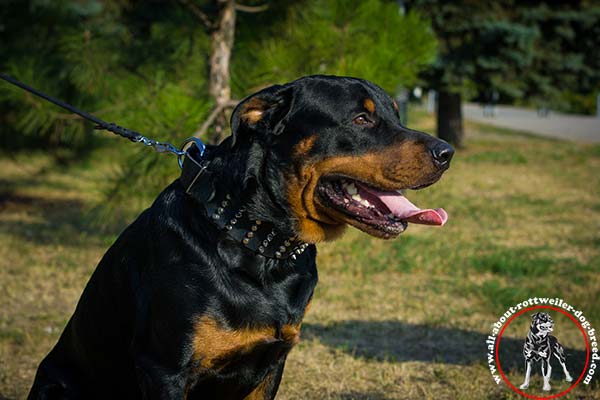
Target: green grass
[(398, 319), (497, 157)]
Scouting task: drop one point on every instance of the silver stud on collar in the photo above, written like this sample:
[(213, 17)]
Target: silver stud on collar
[(218, 213), (291, 246), (299, 250), (220, 210), (240, 213)]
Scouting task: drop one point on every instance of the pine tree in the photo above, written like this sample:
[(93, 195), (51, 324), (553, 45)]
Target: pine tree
[(142, 65), (533, 52), (337, 37), (160, 68), (482, 47), (565, 74)]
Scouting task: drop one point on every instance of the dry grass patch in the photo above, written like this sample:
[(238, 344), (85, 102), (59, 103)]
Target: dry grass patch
[(400, 319)]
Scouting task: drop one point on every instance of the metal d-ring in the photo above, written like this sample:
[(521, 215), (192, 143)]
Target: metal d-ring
[(186, 144)]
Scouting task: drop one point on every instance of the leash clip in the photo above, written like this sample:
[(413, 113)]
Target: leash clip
[(159, 147), (183, 150)]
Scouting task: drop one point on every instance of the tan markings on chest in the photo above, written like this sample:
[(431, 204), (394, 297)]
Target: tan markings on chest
[(213, 344)]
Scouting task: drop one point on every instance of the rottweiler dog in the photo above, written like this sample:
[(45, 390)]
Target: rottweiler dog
[(203, 295), (540, 346)]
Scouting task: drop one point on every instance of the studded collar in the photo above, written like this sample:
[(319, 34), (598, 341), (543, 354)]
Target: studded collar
[(230, 215)]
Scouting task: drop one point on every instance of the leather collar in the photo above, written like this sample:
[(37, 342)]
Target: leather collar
[(230, 215)]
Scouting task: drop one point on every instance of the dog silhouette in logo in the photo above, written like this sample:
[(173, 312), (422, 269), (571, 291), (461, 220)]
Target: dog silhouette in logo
[(540, 345)]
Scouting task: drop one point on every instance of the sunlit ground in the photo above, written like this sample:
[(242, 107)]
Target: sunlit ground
[(402, 319)]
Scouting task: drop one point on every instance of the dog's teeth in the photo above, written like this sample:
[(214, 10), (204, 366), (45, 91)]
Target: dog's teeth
[(351, 189), (366, 203), (356, 197), (390, 215), (346, 201)]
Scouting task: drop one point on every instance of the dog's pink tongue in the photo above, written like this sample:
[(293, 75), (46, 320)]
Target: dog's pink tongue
[(403, 209)]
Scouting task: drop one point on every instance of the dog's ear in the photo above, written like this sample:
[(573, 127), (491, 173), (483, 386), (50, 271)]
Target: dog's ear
[(534, 316), (261, 114)]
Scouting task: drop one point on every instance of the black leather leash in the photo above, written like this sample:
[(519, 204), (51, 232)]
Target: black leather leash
[(160, 147), (229, 215)]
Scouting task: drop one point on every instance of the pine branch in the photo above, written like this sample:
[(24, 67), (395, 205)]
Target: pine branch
[(213, 116), (208, 24), (251, 9)]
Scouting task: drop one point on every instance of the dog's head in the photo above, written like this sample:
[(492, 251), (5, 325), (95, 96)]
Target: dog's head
[(332, 152), (542, 324)]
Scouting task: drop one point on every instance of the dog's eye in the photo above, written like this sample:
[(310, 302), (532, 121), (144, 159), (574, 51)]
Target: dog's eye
[(362, 119)]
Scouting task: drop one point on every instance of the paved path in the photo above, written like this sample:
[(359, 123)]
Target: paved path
[(578, 128)]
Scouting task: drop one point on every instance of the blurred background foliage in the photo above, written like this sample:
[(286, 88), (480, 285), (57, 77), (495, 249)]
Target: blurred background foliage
[(147, 65), (337, 38), (144, 65), (534, 53)]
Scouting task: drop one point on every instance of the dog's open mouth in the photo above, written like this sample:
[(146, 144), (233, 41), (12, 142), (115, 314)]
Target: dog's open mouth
[(545, 327), (388, 212)]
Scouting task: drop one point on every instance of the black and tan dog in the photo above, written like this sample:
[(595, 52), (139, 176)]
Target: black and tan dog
[(541, 346), (202, 297)]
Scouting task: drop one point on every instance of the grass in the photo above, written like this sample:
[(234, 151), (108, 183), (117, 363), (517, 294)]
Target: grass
[(399, 319)]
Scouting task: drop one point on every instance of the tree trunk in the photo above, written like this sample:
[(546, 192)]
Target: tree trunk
[(219, 80), (449, 118)]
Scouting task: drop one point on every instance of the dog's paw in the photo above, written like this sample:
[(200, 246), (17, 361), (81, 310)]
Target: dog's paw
[(524, 386), (542, 353), (569, 378), (547, 388)]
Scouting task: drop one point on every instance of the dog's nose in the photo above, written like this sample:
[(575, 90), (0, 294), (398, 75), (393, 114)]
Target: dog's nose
[(442, 153)]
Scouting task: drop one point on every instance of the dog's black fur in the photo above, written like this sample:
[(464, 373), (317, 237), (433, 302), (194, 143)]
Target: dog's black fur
[(176, 309)]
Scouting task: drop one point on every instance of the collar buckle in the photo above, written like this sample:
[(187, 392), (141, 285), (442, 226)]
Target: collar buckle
[(195, 177)]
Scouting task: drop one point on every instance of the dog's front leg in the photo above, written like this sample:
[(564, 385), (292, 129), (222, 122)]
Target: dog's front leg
[(546, 374), (568, 376), (525, 384), (559, 354)]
